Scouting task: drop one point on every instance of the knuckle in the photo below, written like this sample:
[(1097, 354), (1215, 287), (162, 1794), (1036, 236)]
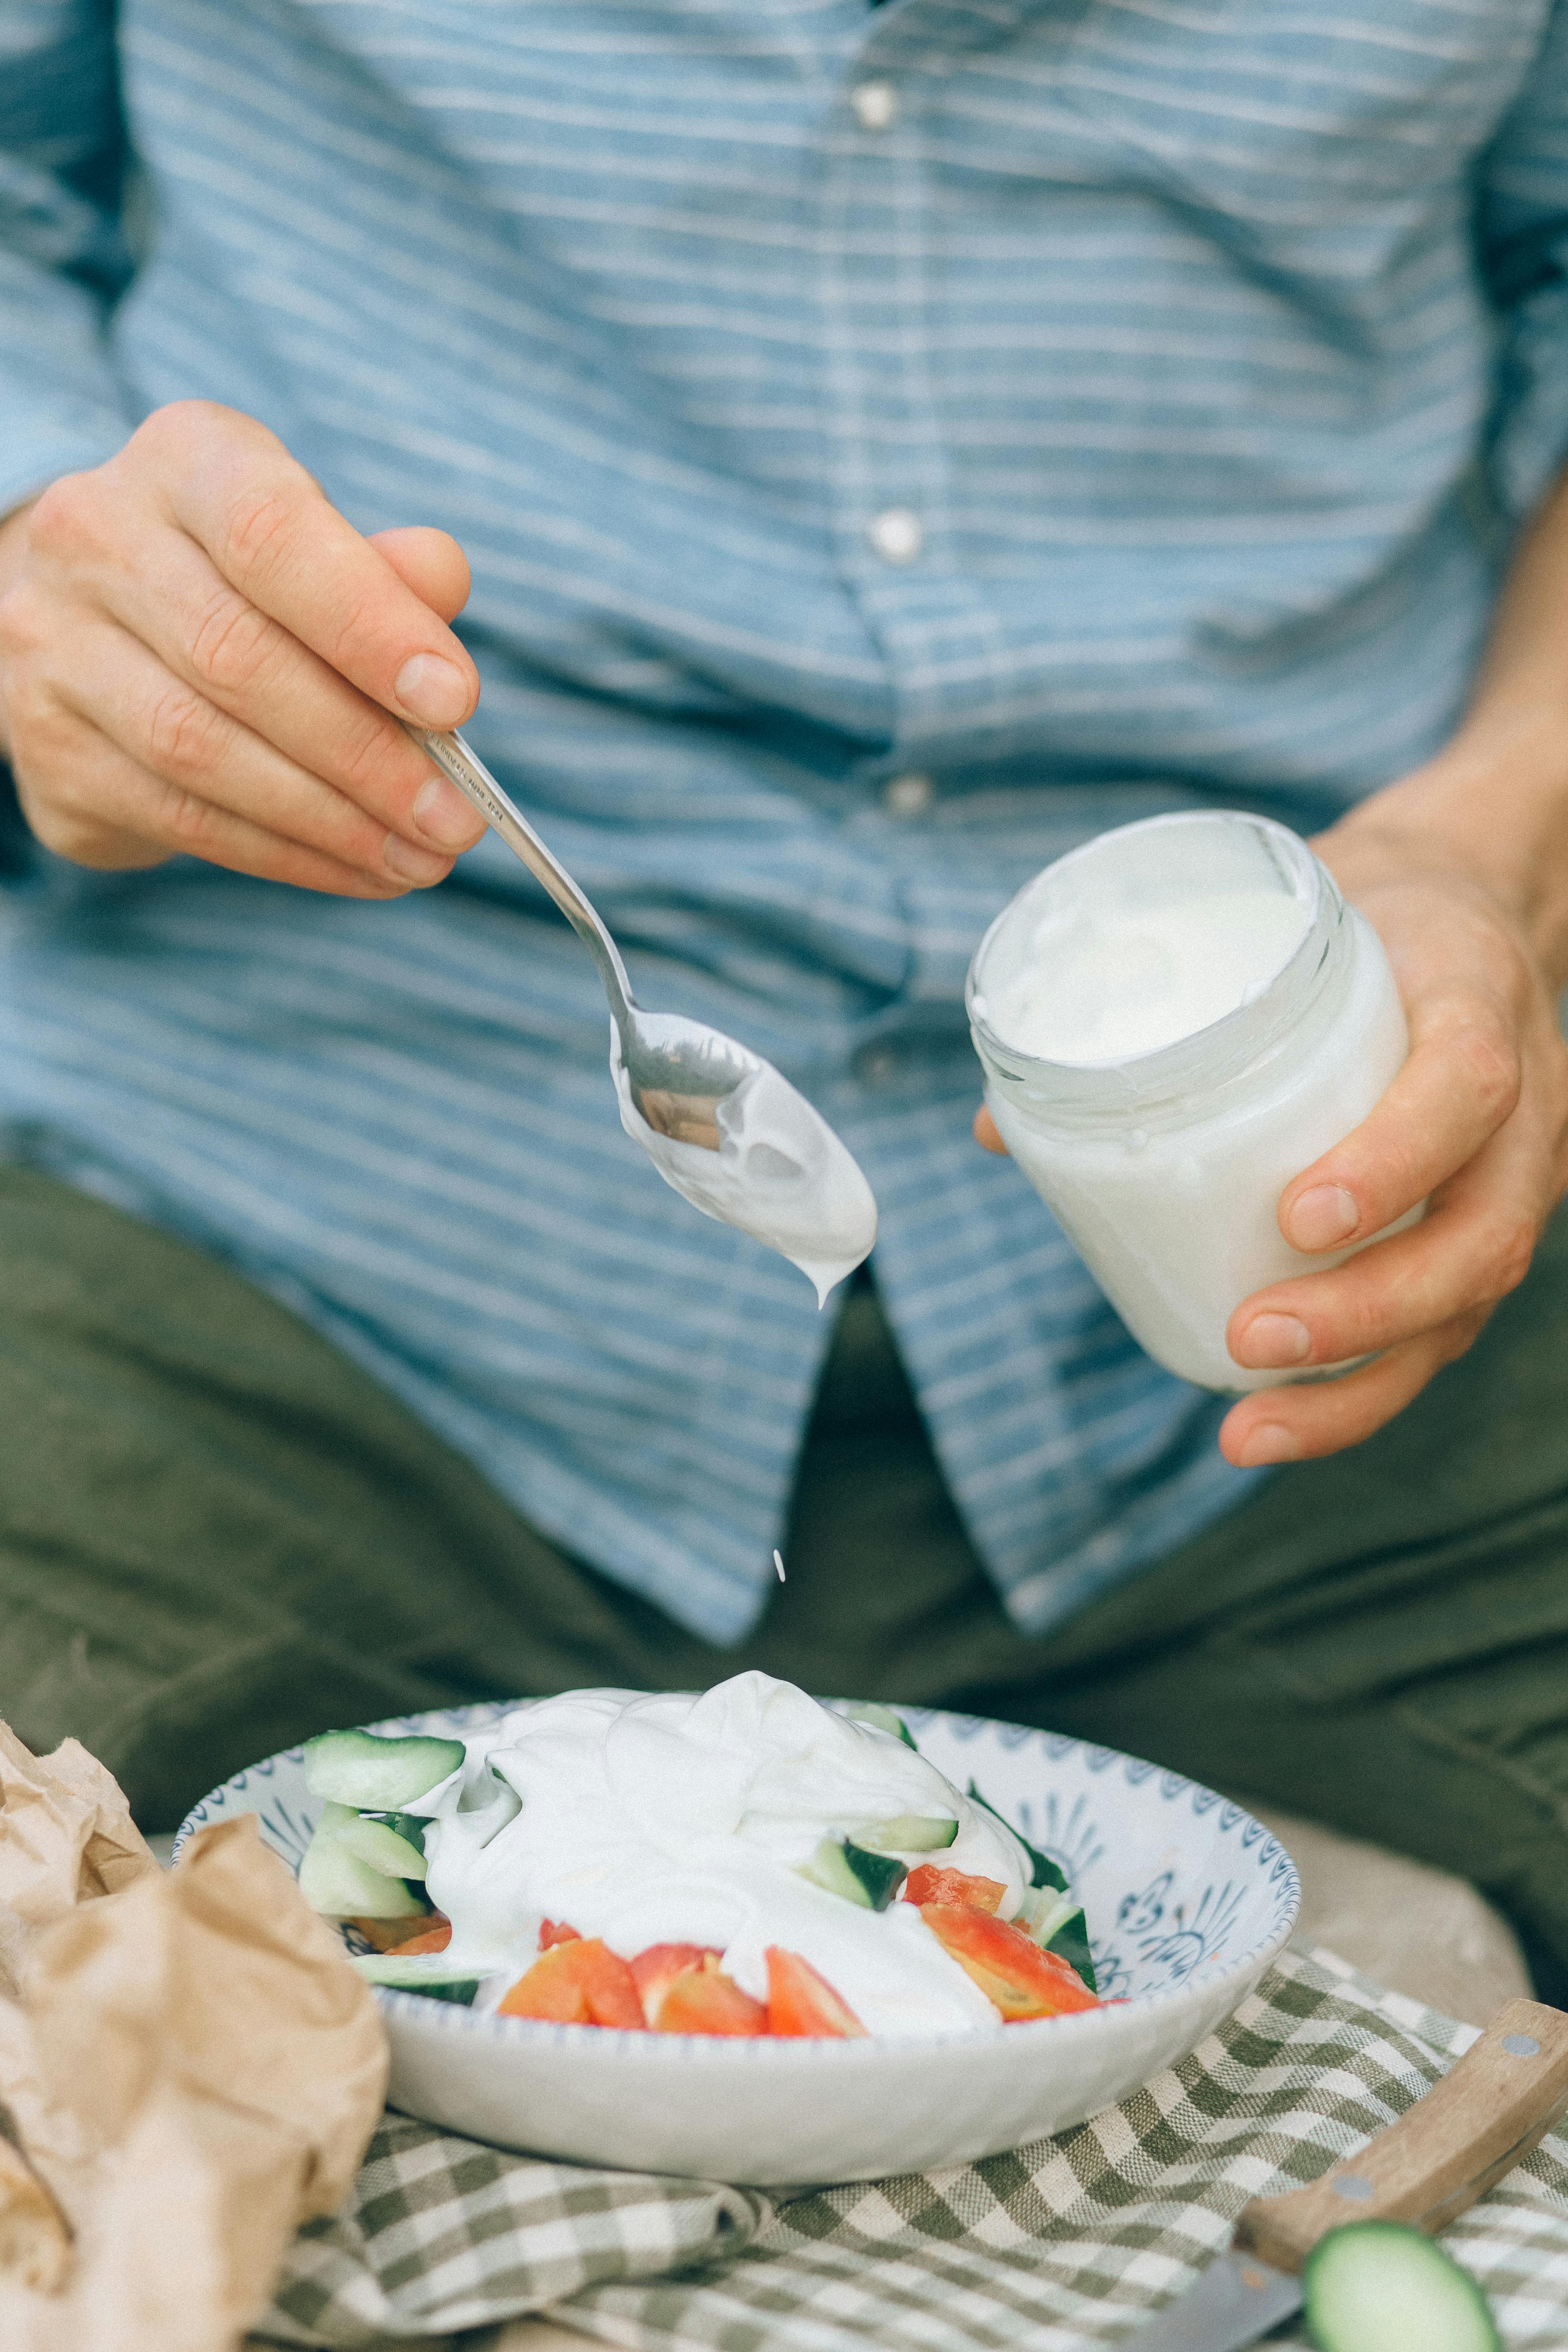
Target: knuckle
[(22, 632), (1488, 1054), (67, 518), (231, 644), (258, 530), (357, 644), (186, 821), (183, 730), (43, 734), (1510, 1246), (370, 752), (70, 831), (179, 424)]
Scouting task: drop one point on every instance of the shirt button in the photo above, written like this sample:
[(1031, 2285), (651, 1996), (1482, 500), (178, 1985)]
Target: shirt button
[(909, 795), (876, 1066), (876, 105), (897, 535)]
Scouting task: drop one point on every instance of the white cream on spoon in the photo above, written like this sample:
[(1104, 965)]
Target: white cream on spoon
[(780, 1173)]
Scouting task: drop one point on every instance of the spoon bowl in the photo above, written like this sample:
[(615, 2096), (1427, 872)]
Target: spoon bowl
[(777, 1170)]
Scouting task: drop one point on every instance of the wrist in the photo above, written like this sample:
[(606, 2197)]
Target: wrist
[(1491, 807)]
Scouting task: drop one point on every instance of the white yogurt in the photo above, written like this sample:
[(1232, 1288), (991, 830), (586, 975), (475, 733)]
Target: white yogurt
[(1105, 982), (1174, 1021), (681, 1820), (780, 1174)]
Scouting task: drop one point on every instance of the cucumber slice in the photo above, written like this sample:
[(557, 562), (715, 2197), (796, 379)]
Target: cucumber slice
[(1041, 1912), (344, 1887), (411, 1826), (1382, 2286), (379, 1844), (908, 1833), (380, 1776), (426, 1972), (870, 1880), (1057, 1924), (1071, 1941), (883, 1718), (1042, 1871)]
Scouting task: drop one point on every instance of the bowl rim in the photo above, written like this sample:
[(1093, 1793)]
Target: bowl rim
[(769, 2050)]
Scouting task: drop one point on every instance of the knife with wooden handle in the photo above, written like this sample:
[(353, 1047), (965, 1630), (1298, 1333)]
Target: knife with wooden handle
[(1491, 2109)]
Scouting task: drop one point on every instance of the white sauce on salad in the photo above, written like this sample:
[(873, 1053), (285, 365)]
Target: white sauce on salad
[(648, 1820)]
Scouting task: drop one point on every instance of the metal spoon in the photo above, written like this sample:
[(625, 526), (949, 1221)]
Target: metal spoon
[(679, 1070)]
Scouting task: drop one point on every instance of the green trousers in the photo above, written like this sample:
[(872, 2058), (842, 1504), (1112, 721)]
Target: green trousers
[(218, 1536)]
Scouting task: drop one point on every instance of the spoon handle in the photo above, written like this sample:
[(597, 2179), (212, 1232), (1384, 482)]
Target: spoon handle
[(463, 767)]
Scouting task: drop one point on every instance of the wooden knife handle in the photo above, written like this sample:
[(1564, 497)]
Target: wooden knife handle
[(1505, 2093)]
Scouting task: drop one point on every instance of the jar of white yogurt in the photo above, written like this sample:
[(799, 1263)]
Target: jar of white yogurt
[(1174, 1021)]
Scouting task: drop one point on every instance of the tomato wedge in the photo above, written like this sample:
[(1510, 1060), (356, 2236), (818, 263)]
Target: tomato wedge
[(432, 1934), (656, 1970), (581, 1982), (802, 2002), (552, 1931), (1012, 1971), (436, 1937), (703, 1999), (931, 1883)]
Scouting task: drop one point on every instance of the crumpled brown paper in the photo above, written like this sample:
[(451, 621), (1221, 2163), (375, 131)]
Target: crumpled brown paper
[(189, 2068)]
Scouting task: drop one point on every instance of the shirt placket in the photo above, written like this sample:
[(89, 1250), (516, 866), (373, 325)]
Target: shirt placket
[(895, 527)]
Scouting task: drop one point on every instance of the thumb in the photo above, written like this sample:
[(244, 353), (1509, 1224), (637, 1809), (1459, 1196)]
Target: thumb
[(430, 562), (985, 1132)]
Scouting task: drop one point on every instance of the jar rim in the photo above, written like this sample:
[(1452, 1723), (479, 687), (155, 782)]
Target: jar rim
[(1208, 1057)]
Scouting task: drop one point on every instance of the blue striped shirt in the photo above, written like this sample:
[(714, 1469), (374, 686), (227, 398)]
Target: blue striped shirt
[(892, 445)]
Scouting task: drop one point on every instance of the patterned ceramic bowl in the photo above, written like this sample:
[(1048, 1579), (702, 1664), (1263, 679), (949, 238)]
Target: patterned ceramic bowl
[(1187, 1897)]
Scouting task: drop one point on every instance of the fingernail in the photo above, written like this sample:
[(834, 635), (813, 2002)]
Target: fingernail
[(443, 815), (1323, 1218), (411, 865), (1270, 1442), (1272, 1341), (432, 691)]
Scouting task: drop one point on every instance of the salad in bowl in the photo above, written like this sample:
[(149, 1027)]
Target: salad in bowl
[(744, 1862), (750, 1937)]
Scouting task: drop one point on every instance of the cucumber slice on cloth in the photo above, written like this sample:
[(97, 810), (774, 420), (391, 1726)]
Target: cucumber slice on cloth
[(1382, 2286), (908, 1833), (871, 1880), (426, 1972), (377, 1775)]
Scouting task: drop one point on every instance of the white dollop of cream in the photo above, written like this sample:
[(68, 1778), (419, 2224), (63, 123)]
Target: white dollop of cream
[(780, 1174), (681, 1819), (1104, 984)]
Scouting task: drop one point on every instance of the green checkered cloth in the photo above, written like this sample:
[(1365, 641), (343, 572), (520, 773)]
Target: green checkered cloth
[(1065, 2244)]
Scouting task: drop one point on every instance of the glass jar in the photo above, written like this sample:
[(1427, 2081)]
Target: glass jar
[(1164, 1166)]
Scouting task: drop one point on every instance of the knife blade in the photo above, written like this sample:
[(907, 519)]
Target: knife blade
[(1488, 2112)]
